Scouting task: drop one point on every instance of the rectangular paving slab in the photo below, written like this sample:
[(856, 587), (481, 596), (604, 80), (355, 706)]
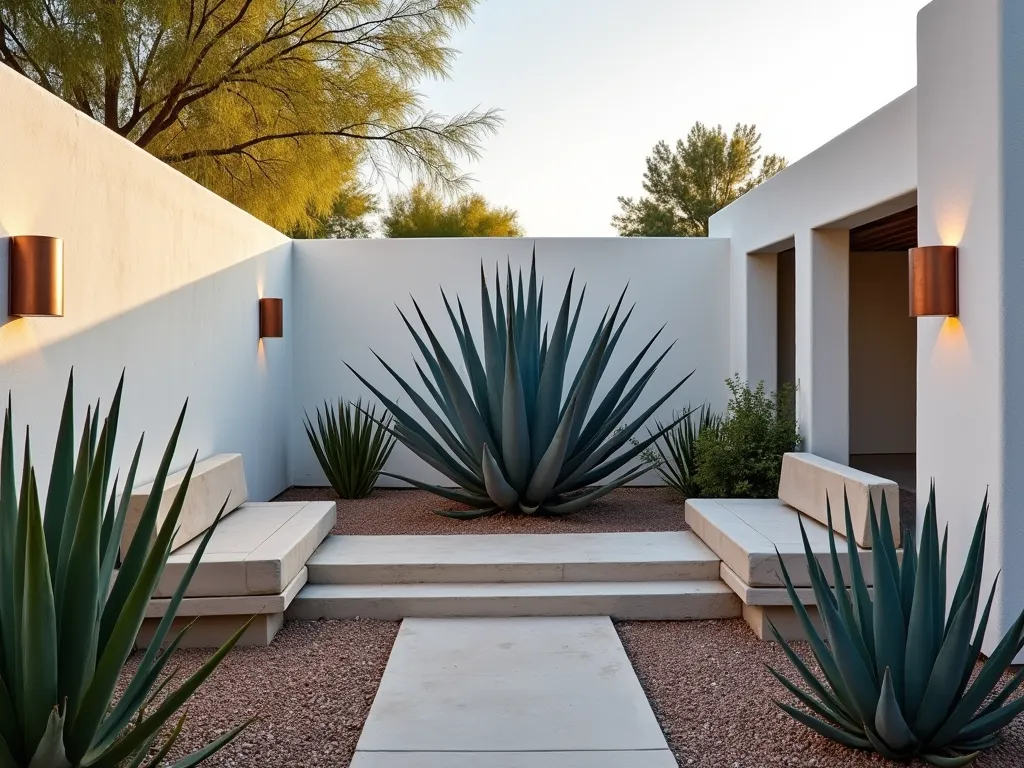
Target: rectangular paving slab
[(555, 692)]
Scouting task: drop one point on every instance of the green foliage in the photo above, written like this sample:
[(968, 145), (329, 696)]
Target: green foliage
[(678, 459), (743, 458), (514, 438), (897, 668), (68, 619), (685, 187), (272, 105), (351, 449), (348, 217), (423, 212)]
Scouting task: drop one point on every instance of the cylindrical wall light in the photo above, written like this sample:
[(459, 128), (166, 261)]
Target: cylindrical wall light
[(934, 281), (271, 318), (36, 276)]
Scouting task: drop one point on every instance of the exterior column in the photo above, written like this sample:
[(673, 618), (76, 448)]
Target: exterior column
[(823, 342), (970, 409)]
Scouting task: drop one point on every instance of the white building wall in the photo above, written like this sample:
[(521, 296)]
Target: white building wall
[(971, 194), (861, 175), (349, 289), (162, 278)]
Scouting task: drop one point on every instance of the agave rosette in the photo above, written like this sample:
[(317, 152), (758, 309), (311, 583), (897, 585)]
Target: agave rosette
[(897, 667), (69, 618), (514, 436)]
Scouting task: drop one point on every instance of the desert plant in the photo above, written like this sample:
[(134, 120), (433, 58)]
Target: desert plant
[(743, 457), (897, 667), (68, 620), (514, 438), (352, 445), (678, 459)]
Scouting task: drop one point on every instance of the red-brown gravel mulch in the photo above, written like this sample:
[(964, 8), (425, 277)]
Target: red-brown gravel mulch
[(312, 689), (412, 512), (714, 699)]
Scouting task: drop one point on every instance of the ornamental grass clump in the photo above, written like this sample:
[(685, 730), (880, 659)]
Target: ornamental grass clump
[(69, 619), (897, 667), (677, 461), (513, 436), (352, 446)]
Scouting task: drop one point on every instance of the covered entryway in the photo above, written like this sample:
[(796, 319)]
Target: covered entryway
[(883, 349)]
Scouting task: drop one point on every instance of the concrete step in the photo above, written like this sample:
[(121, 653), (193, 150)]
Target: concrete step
[(656, 600), (586, 557)]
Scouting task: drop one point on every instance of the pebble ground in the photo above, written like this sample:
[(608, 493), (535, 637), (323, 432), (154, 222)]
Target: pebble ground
[(412, 512), (311, 688)]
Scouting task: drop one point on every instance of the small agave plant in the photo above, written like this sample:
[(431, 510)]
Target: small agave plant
[(897, 667), (515, 437), (69, 618), (352, 446)]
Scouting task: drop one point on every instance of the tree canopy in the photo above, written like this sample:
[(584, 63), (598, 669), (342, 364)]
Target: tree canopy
[(348, 217), (687, 185), (274, 104), (423, 212)]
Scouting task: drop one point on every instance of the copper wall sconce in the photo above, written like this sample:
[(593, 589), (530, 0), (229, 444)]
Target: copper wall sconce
[(36, 276), (271, 318), (934, 281)]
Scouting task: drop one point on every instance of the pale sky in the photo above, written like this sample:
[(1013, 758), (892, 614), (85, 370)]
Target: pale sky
[(588, 86)]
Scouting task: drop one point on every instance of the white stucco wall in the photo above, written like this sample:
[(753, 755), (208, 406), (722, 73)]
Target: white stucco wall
[(971, 194), (863, 174), (162, 278), (348, 290)]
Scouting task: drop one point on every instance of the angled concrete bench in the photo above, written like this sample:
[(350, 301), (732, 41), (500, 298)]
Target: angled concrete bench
[(745, 534), (255, 562)]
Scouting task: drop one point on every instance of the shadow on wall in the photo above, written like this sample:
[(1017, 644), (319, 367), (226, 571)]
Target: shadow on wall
[(198, 342)]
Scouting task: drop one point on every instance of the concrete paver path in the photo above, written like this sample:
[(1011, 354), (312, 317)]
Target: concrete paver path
[(510, 693)]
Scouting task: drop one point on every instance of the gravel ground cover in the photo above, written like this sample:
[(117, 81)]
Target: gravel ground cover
[(312, 689), (412, 512), (710, 690)]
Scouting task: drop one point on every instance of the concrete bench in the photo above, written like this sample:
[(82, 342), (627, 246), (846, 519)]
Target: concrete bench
[(745, 534), (806, 479), (213, 480), (254, 564)]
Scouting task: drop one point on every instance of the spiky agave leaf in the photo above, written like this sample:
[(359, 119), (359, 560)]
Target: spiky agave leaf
[(897, 667), (65, 628), (511, 435)]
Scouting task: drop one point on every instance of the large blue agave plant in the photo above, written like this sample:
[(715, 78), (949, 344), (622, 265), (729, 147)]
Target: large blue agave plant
[(514, 437), (897, 667)]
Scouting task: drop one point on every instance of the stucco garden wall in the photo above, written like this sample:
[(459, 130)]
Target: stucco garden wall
[(162, 278)]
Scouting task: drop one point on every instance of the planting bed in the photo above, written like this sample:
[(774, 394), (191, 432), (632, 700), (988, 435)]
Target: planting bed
[(311, 689), (710, 690), (412, 512)]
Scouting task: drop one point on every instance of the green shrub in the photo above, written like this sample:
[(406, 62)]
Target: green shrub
[(68, 619), (743, 458), (677, 461), (509, 432), (898, 668), (351, 449)]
